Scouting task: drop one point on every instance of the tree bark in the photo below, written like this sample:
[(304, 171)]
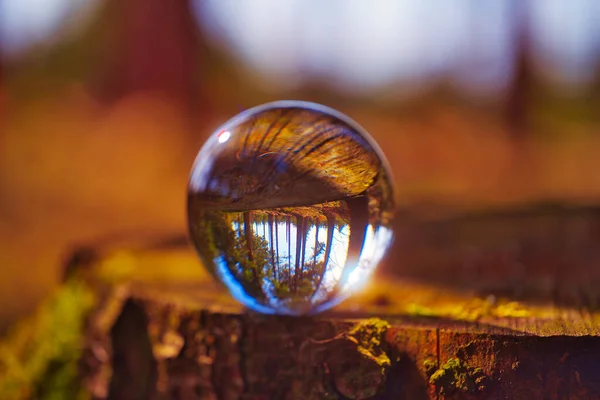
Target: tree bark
[(168, 341), (166, 351), (248, 233), (299, 240), (272, 244)]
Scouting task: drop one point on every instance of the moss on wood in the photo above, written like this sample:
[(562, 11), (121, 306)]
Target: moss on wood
[(40, 356)]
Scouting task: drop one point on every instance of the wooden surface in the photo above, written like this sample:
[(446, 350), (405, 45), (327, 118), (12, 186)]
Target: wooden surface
[(534, 271), (160, 349), (538, 253), (165, 330), (157, 326)]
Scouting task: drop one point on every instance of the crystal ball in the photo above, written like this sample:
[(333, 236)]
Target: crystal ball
[(290, 206)]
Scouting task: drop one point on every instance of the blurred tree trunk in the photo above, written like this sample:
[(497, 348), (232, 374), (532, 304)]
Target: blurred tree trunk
[(272, 242), (249, 234), (2, 92), (305, 227), (328, 244), (518, 94), (276, 265), (299, 240), (317, 222), (155, 49)]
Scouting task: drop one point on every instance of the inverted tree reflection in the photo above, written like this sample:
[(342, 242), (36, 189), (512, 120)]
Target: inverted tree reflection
[(282, 256)]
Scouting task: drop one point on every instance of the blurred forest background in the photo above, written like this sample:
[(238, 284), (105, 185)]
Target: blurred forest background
[(105, 103)]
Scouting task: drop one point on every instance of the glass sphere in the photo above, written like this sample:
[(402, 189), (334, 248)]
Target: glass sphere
[(290, 206)]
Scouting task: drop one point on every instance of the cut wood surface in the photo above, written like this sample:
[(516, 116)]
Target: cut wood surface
[(161, 351), (166, 344), (160, 327), (534, 271), (167, 330)]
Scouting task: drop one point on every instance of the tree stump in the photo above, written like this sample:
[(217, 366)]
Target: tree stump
[(161, 328), (164, 351)]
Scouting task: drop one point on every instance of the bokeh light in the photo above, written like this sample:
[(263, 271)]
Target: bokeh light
[(27, 23), (359, 46)]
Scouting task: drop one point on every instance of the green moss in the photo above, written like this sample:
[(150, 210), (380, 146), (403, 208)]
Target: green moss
[(430, 366), (511, 309), (369, 336), (39, 359), (420, 311), (472, 310), (455, 375), (365, 375)]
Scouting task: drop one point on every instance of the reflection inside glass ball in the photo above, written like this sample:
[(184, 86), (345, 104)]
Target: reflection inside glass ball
[(290, 207)]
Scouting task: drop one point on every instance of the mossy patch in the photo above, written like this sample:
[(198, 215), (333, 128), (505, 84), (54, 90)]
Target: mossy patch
[(369, 336), (454, 375), (39, 358), (359, 363), (418, 310), (511, 309), (472, 310), (430, 366)]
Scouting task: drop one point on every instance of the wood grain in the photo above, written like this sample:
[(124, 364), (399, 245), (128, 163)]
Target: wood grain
[(167, 330)]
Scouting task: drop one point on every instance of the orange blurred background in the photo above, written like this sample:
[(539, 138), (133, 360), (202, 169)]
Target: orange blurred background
[(104, 105)]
